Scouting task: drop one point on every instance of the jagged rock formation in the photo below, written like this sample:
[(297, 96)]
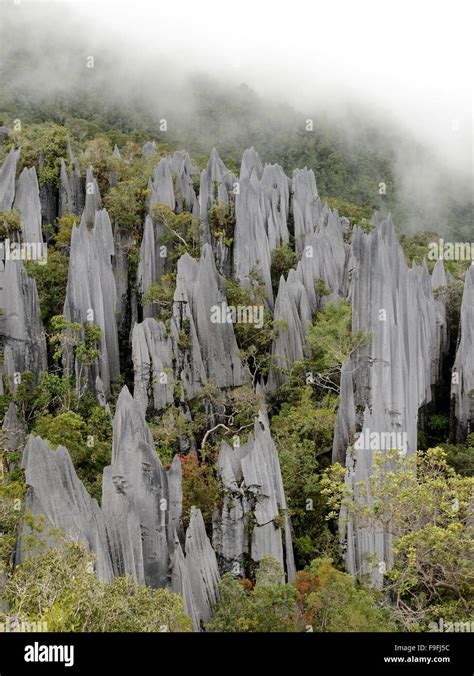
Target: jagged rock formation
[(192, 349), (7, 180), (391, 375), (13, 433), (153, 357), (462, 383), (152, 263), (217, 185), (254, 518), (136, 499), (161, 184), (20, 323), (56, 493), (320, 276), (439, 280), (202, 566), (172, 183), (71, 194), (251, 246), (92, 200), (306, 205), (27, 201), (91, 292), (293, 311), (199, 289), (149, 149), (139, 530)]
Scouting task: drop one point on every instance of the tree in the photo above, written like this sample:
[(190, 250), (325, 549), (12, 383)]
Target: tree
[(330, 343), (42, 145), (427, 509), (331, 601), (88, 439), (57, 586), (161, 294), (303, 432), (283, 259), (73, 342), (51, 282), (270, 606)]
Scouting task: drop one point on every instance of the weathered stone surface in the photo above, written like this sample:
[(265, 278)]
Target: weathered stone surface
[(13, 430), (212, 346), (56, 492), (346, 415), (251, 478), (91, 287), (152, 355), (71, 193), (462, 382), (27, 200), (251, 247), (92, 201), (152, 264), (136, 489), (439, 280), (7, 180), (276, 190), (393, 373), (184, 170), (161, 184), (306, 205), (250, 162), (291, 307), (217, 184), (20, 323), (202, 566), (149, 149), (324, 262)]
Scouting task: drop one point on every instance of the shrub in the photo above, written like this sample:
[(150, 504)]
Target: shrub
[(270, 606)]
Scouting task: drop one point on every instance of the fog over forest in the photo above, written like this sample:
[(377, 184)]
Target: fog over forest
[(223, 79)]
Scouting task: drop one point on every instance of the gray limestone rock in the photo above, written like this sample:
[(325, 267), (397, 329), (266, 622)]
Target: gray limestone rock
[(161, 184), (136, 490), (392, 373), (13, 433), (217, 184), (20, 323), (202, 566), (149, 149), (92, 200), (251, 478), (251, 246), (306, 205), (91, 292), (462, 382), (56, 492), (152, 356), (199, 298), (71, 193), (7, 180), (276, 194), (293, 310), (152, 263), (27, 200)]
